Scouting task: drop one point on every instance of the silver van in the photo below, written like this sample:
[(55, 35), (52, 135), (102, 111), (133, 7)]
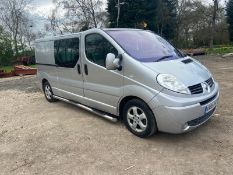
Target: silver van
[(128, 74)]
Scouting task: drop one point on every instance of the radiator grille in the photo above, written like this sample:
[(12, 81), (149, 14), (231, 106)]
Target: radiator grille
[(210, 82), (196, 89)]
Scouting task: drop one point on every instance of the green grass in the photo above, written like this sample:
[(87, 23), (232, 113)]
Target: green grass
[(11, 68), (220, 50), (7, 68), (34, 66)]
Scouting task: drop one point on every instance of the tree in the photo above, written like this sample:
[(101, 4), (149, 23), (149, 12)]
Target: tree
[(79, 15), (26, 35), (230, 18), (192, 17), (112, 17), (132, 13), (166, 14), (199, 24), (12, 16), (158, 16), (55, 25), (6, 52)]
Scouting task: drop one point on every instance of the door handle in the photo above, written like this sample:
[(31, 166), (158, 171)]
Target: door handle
[(85, 69), (79, 69)]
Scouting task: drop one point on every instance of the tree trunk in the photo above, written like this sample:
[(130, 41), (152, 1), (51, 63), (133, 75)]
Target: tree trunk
[(212, 32), (94, 18), (118, 12), (93, 14), (15, 44)]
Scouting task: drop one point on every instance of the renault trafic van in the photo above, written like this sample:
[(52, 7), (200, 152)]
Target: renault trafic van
[(129, 74)]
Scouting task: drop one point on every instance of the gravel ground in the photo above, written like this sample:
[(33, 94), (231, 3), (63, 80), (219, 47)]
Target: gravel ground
[(37, 137)]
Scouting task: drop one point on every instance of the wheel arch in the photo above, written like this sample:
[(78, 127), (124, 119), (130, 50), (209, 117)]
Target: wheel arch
[(135, 92), (124, 101), (44, 80)]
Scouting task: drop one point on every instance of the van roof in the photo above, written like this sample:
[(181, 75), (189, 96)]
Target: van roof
[(119, 29), (50, 38)]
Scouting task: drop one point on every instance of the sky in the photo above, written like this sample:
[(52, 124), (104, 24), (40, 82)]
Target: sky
[(42, 7), (39, 10)]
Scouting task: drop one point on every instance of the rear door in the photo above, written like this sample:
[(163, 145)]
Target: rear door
[(102, 87), (46, 64), (67, 59)]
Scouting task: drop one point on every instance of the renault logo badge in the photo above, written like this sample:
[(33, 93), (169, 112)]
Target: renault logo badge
[(205, 87)]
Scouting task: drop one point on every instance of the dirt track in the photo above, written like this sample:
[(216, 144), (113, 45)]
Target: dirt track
[(37, 137)]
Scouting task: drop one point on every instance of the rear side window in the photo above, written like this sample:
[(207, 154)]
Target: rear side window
[(66, 52), (97, 48)]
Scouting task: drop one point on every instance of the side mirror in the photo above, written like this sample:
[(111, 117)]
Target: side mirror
[(112, 63)]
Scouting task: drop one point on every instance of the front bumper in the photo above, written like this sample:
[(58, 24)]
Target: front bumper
[(183, 114)]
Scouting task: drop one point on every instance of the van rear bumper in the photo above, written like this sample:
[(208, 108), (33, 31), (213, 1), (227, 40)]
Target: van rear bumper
[(184, 118)]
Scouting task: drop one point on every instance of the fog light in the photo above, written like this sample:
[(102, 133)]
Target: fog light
[(186, 127)]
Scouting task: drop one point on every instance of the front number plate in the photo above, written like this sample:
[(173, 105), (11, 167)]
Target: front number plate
[(210, 106)]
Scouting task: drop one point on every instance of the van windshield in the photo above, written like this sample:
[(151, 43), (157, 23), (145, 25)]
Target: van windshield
[(145, 46)]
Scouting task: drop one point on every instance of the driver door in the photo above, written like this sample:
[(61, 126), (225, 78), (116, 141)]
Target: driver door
[(102, 87)]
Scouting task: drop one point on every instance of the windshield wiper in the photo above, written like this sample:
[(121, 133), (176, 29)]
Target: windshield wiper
[(164, 57)]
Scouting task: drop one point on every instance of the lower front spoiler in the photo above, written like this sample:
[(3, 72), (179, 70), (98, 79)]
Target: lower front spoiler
[(190, 125)]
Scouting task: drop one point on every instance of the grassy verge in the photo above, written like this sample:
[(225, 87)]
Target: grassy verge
[(7, 68), (11, 68), (34, 66), (220, 50)]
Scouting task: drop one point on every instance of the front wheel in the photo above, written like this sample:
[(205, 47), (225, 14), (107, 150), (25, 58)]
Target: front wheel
[(139, 119), (48, 92)]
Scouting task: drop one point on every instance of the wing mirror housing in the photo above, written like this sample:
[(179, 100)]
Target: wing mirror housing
[(113, 62)]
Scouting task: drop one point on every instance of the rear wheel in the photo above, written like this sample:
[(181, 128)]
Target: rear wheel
[(48, 92), (139, 119)]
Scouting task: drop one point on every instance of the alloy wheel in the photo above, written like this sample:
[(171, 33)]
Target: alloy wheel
[(137, 119), (48, 92)]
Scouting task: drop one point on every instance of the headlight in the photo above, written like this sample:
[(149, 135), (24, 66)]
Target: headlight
[(170, 82)]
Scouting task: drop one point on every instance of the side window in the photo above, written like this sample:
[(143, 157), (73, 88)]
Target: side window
[(66, 52), (97, 48)]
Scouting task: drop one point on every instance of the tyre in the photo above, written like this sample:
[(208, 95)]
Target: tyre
[(139, 119), (48, 92)]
